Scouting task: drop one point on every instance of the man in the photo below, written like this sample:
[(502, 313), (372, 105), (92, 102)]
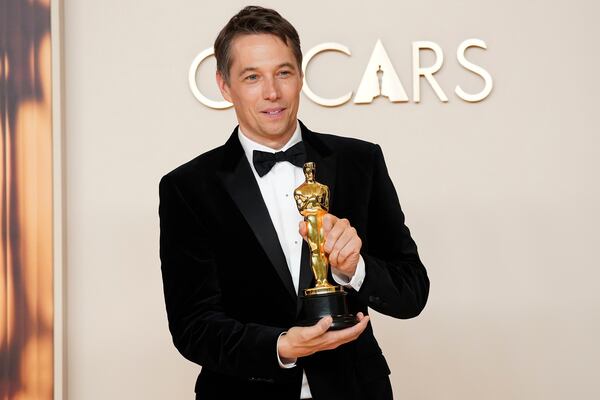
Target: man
[(232, 254)]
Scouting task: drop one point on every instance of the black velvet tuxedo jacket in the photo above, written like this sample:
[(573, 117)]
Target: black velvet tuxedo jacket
[(228, 289)]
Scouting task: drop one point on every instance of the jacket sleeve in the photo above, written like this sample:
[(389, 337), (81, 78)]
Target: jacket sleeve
[(201, 330), (396, 282)]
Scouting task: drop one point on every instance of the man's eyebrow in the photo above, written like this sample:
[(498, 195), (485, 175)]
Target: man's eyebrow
[(250, 69), (247, 69), (286, 64)]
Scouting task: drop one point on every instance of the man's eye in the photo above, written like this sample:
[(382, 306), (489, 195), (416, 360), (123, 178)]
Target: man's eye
[(252, 77), (285, 73)]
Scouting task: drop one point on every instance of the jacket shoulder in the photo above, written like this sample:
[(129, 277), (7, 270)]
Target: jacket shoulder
[(357, 151), (200, 165), (346, 143)]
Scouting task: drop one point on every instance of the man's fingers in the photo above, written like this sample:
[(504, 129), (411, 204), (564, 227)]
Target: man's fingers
[(352, 246), (359, 328), (337, 338), (334, 235), (362, 324), (311, 339), (351, 249), (346, 238), (352, 332), (338, 251), (302, 229), (328, 222), (319, 328)]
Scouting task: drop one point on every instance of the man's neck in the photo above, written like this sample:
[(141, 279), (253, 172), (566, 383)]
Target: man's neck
[(275, 143)]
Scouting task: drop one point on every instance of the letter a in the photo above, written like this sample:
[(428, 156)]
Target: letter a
[(390, 87)]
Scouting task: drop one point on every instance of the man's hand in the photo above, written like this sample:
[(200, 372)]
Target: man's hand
[(342, 244), (304, 341)]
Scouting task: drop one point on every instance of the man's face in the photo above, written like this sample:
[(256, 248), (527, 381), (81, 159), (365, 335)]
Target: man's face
[(264, 87)]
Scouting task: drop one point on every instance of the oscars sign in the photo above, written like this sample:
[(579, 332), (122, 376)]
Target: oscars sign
[(379, 77)]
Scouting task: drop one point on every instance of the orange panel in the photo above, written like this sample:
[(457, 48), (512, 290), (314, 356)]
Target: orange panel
[(26, 287)]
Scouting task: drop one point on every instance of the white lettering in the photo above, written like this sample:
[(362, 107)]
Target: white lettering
[(204, 54), (370, 85), (427, 72), (306, 88), (379, 78), (487, 78)]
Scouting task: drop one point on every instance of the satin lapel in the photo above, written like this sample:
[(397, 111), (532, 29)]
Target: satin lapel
[(306, 279), (325, 159), (239, 181)]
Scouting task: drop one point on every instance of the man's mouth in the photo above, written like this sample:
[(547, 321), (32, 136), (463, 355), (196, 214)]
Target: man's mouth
[(273, 112)]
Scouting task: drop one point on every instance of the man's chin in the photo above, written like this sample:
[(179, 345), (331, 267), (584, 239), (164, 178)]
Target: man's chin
[(276, 131)]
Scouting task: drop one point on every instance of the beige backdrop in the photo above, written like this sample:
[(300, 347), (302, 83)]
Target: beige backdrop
[(501, 196)]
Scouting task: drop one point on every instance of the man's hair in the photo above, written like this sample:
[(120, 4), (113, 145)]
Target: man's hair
[(253, 20)]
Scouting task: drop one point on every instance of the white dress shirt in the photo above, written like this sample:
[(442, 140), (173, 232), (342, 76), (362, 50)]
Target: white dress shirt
[(277, 189)]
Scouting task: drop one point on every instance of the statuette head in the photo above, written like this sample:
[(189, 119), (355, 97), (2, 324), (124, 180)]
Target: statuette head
[(309, 171)]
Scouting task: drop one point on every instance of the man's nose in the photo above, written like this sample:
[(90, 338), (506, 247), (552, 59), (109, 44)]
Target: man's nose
[(271, 89)]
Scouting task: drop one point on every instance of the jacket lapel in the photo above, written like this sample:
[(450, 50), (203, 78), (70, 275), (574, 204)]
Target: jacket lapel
[(239, 181)]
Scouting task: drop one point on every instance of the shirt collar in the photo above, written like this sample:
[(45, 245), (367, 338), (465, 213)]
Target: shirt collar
[(250, 145)]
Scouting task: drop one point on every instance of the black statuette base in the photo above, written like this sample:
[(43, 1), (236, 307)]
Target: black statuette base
[(315, 307)]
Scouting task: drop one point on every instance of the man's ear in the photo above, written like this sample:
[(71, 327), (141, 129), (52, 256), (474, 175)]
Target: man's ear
[(223, 87)]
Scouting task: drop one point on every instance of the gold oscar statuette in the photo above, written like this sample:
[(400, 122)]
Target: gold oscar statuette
[(312, 200)]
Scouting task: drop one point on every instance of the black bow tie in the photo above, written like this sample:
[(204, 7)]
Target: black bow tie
[(263, 161)]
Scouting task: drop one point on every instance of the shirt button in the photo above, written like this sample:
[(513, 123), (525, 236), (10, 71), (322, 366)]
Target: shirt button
[(295, 242), (287, 195)]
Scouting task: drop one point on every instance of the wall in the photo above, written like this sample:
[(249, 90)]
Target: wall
[(501, 196)]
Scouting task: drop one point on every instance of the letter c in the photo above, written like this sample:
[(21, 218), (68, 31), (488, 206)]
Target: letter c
[(330, 46), (203, 55)]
